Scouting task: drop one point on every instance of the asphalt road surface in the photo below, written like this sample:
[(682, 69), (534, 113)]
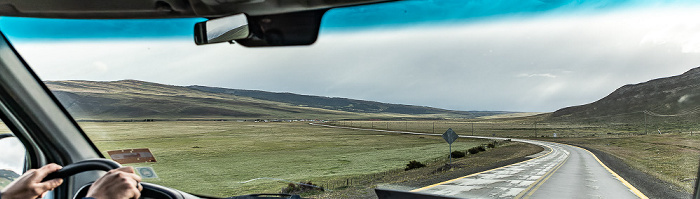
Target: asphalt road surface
[(563, 171), (560, 171)]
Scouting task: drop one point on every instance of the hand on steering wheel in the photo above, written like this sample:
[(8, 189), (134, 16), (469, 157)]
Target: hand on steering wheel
[(121, 183), (118, 183), (30, 184)]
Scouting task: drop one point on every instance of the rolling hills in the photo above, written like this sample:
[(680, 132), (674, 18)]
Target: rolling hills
[(133, 99), (676, 95), (343, 104)]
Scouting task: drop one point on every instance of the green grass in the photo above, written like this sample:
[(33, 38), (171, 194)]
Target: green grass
[(212, 158), (4, 182)]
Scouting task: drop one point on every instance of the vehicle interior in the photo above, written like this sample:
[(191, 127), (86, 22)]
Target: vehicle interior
[(48, 132)]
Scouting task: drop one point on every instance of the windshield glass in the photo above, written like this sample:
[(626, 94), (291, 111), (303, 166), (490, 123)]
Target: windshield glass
[(226, 120)]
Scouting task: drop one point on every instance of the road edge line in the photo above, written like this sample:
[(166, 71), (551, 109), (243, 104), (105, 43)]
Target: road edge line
[(624, 182), (473, 174)]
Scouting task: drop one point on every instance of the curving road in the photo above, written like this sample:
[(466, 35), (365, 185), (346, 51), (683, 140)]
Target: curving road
[(560, 171), (564, 171)]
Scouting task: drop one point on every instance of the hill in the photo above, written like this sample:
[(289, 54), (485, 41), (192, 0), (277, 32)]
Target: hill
[(676, 95), (344, 104), (133, 99), (6, 177)]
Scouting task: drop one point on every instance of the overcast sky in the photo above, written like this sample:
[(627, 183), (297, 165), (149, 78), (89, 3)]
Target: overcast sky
[(12, 156), (536, 58)]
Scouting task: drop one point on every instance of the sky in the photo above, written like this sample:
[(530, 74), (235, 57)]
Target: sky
[(12, 157), (487, 55)]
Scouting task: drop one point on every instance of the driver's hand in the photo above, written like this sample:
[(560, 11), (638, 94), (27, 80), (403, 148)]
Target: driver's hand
[(121, 183), (29, 185)]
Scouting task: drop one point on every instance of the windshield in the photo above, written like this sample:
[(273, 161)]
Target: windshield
[(226, 120)]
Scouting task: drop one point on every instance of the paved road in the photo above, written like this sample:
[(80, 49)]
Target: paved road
[(560, 171)]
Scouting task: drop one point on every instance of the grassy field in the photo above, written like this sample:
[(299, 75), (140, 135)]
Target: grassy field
[(4, 182), (534, 126), (513, 127), (213, 158)]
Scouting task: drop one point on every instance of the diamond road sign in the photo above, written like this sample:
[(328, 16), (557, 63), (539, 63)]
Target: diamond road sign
[(450, 136)]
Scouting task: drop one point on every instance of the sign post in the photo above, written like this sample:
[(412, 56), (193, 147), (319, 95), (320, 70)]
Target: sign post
[(450, 136)]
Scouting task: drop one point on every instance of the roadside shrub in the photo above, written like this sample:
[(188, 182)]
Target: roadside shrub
[(473, 150), (301, 188), (414, 165), (481, 148), (491, 145), (458, 154)]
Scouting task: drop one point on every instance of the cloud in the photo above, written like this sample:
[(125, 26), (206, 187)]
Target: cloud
[(100, 66), (12, 157), (548, 75), (536, 63)]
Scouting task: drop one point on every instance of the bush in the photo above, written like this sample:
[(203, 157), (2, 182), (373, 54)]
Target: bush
[(301, 188), (473, 150), (481, 148), (458, 154), (491, 145), (414, 165)]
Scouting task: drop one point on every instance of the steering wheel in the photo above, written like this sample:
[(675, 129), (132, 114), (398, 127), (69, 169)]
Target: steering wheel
[(149, 190), (84, 165)]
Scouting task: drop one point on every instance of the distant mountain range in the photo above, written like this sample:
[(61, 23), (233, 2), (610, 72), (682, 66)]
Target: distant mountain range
[(133, 99), (343, 104), (676, 95)]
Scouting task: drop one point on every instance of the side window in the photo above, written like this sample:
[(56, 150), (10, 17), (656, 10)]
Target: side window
[(11, 157)]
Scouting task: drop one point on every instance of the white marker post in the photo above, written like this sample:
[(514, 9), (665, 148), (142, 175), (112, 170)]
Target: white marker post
[(450, 136)]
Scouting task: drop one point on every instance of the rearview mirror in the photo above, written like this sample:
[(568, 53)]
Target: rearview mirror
[(223, 29), (286, 29)]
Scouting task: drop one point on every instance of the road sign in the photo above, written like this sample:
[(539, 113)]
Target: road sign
[(450, 136)]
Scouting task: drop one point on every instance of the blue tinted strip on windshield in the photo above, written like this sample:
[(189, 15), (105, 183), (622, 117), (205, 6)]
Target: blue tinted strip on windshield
[(450, 11), (398, 13), (61, 29)]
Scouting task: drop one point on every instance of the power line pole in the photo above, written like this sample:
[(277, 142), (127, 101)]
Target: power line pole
[(645, 122), (535, 129), (472, 128)]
